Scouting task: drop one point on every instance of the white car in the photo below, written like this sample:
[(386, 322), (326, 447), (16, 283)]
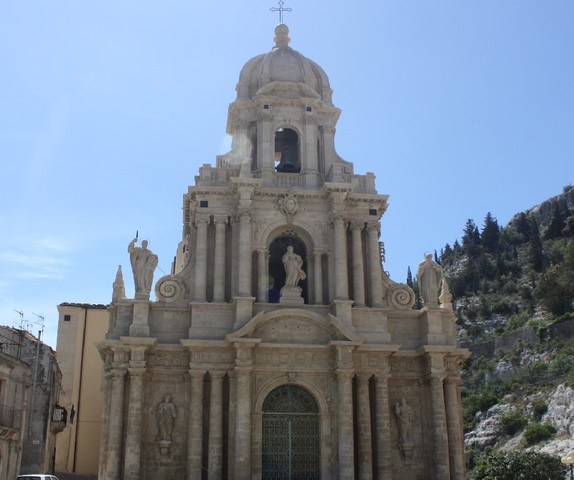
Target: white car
[(36, 476)]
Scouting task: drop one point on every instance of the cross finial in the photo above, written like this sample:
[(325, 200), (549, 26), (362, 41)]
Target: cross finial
[(281, 10)]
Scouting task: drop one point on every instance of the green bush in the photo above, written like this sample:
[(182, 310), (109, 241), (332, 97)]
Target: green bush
[(512, 421), (519, 465), (537, 432), (539, 408)]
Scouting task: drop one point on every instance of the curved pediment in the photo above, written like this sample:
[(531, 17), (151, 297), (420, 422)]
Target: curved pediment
[(295, 326)]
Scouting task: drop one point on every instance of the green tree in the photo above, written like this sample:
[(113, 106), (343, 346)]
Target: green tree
[(557, 222), (490, 236), (535, 251), (409, 277), (519, 465), (471, 239), (522, 226)]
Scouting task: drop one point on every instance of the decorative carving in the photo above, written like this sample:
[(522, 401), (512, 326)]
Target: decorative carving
[(289, 206), (170, 289), (401, 296), (445, 297)]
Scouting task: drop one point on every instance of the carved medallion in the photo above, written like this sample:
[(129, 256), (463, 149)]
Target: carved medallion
[(289, 205)]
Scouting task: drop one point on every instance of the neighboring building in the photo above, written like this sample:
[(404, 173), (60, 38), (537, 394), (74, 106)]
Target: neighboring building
[(30, 416), (80, 326), (279, 348)]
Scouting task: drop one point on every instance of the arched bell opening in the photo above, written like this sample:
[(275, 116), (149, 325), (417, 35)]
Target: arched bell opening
[(287, 158), (277, 275)]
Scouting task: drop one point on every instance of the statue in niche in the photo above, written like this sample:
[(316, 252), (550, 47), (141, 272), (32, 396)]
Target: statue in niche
[(293, 264), (143, 263), (165, 415), (405, 416), (429, 275)]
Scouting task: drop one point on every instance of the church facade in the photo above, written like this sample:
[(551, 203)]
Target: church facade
[(278, 348)]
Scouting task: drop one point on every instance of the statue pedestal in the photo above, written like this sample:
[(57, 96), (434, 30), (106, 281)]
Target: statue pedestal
[(291, 296), (140, 326)]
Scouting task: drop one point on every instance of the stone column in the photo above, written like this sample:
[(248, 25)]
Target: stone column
[(440, 443), (358, 269), (318, 277), (243, 424), (262, 275), (245, 252), (132, 456), (105, 424), (215, 451), (364, 428), (200, 286), (340, 260), (345, 424), (219, 260), (116, 424), (454, 428), (384, 463), (195, 436), (375, 268)]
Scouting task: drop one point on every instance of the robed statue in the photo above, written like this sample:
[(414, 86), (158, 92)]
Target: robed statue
[(429, 276), (143, 263), (293, 264)]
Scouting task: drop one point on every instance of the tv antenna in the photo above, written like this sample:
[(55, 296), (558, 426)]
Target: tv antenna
[(41, 323), (21, 318)]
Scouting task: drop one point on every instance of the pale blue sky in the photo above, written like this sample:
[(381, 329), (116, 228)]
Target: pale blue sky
[(108, 108)]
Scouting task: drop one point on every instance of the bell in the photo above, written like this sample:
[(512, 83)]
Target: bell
[(287, 162)]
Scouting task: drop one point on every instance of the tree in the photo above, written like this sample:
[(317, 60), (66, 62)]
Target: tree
[(409, 277), (518, 465), (471, 239), (557, 222), (535, 252), (490, 237), (522, 226)]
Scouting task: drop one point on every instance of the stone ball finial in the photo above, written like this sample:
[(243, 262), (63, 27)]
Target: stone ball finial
[(281, 35)]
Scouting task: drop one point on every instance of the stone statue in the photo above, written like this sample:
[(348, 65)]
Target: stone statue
[(404, 415), (165, 417), (143, 263), (429, 276), (293, 264)]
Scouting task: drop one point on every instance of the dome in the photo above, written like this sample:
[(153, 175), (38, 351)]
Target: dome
[(283, 65)]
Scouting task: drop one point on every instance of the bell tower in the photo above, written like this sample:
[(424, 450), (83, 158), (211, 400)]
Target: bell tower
[(283, 120)]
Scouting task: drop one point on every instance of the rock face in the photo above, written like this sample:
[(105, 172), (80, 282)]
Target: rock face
[(560, 414), (561, 411)]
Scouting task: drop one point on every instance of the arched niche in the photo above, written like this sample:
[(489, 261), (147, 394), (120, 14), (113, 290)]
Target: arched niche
[(278, 248), (287, 151)]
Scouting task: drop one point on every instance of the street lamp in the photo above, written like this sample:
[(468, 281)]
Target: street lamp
[(569, 460)]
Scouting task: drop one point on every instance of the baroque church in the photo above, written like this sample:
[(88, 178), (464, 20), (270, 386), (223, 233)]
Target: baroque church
[(278, 348)]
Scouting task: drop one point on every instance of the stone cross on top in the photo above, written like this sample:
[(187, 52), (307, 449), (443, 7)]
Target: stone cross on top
[(281, 10)]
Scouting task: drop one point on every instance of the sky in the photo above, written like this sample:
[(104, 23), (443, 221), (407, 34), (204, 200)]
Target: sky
[(109, 108)]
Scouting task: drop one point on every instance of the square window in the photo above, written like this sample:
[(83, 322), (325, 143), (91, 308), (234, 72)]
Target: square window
[(67, 318), (203, 203), (372, 211)]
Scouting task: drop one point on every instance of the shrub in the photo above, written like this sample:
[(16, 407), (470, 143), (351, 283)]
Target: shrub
[(519, 465), (537, 432), (539, 408), (512, 421)]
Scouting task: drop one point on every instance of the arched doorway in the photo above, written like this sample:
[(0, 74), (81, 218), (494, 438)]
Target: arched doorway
[(277, 249), (291, 440)]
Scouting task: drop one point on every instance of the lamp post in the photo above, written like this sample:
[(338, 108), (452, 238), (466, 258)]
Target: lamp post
[(569, 460)]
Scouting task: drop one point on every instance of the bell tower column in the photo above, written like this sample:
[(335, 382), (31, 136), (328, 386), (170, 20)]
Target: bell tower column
[(375, 279), (219, 260), (358, 268), (201, 222)]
